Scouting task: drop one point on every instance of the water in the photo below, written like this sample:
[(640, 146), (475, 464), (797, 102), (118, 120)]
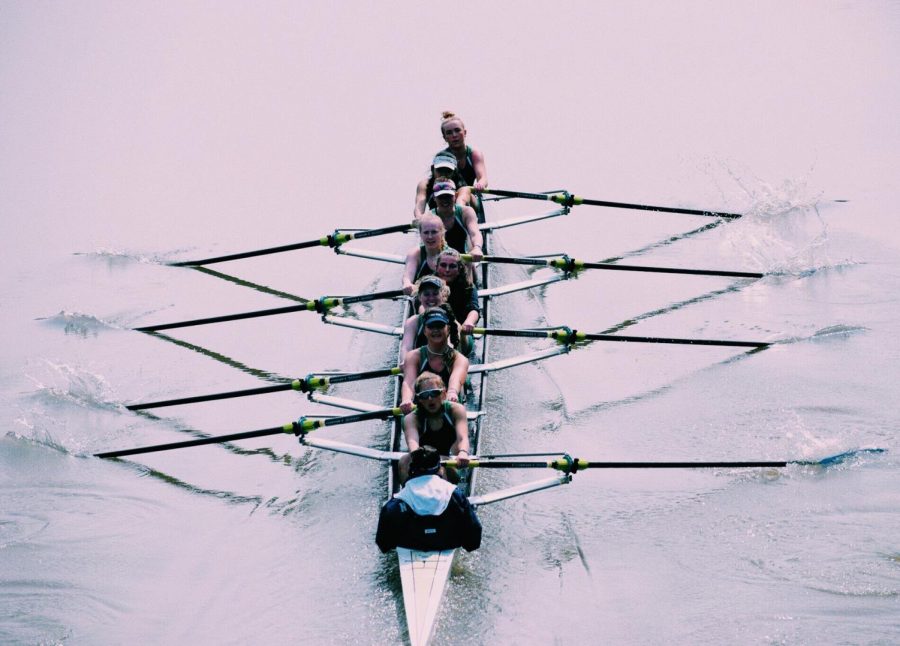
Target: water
[(139, 134)]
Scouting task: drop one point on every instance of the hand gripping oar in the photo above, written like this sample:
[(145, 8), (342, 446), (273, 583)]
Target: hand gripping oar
[(568, 264), (569, 336), (566, 199), (321, 305), (568, 464), (333, 240), (301, 426), (303, 385)]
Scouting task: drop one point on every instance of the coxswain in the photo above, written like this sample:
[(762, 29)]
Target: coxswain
[(437, 356), (443, 166), (420, 261), (460, 222), (436, 422), (463, 292), (428, 513)]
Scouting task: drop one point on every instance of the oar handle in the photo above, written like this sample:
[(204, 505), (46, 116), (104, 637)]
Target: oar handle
[(314, 381), (306, 424)]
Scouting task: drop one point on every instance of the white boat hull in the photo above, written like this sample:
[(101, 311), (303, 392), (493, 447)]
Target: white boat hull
[(423, 576)]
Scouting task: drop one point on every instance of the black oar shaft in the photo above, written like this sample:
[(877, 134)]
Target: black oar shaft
[(334, 240), (251, 254), (669, 270), (571, 200), (206, 440), (684, 465), (205, 398), (362, 298), (664, 209), (651, 339), (228, 317), (564, 335)]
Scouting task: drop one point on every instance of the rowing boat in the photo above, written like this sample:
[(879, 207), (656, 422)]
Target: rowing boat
[(424, 575)]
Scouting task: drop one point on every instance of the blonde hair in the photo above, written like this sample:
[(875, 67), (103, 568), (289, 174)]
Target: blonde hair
[(430, 218), (447, 117), (428, 378)]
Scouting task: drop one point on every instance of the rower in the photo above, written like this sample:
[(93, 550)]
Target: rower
[(463, 292), (460, 222), (437, 356), (438, 423), (429, 291), (443, 166), (469, 160), (428, 513), (420, 261)]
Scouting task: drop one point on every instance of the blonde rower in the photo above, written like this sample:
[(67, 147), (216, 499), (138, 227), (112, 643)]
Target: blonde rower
[(420, 261)]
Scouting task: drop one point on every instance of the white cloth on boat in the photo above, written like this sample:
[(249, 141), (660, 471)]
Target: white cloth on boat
[(427, 495)]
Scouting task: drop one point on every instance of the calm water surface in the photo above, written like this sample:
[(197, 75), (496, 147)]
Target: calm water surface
[(138, 134)]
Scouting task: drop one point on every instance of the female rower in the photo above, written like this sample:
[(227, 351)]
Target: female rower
[(443, 166), (463, 293), (437, 356), (469, 161), (460, 222), (420, 261), (435, 422)]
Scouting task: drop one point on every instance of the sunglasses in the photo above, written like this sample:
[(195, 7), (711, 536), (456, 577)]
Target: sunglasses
[(429, 394), (436, 325)]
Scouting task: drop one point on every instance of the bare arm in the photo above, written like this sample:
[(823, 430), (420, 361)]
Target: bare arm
[(481, 180), (411, 432), (409, 272), (461, 424), (421, 202), (457, 377), (409, 379), (409, 334), (476, 240)]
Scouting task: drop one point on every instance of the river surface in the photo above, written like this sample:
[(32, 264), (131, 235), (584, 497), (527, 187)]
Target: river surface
[(134, 134)]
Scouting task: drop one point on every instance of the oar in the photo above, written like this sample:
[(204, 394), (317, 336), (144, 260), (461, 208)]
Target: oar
[(303, 385), (335, 239), (303, 425), (566, 199), (318, 305), (573, 465), (571, 264), (566, 335)]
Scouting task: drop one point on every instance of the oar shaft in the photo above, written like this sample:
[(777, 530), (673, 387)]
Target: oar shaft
[(648, 207), (295, 385), (666, 270), (320, 242), (651, 339), (310, 306), (362, 298), (320, 381), (206, 440)]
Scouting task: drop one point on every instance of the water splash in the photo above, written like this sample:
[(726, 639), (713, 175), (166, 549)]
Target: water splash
[(78, 324), (62, 383), (120, 257)]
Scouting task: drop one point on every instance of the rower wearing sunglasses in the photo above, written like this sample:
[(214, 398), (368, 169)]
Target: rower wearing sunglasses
[(436, 422), (437, 356)]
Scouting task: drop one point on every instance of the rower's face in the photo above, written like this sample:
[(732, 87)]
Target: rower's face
[(437, 333), (430, 297), (454, 133), (445, 201), (447, 268), (432, 234), (431, 399)]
